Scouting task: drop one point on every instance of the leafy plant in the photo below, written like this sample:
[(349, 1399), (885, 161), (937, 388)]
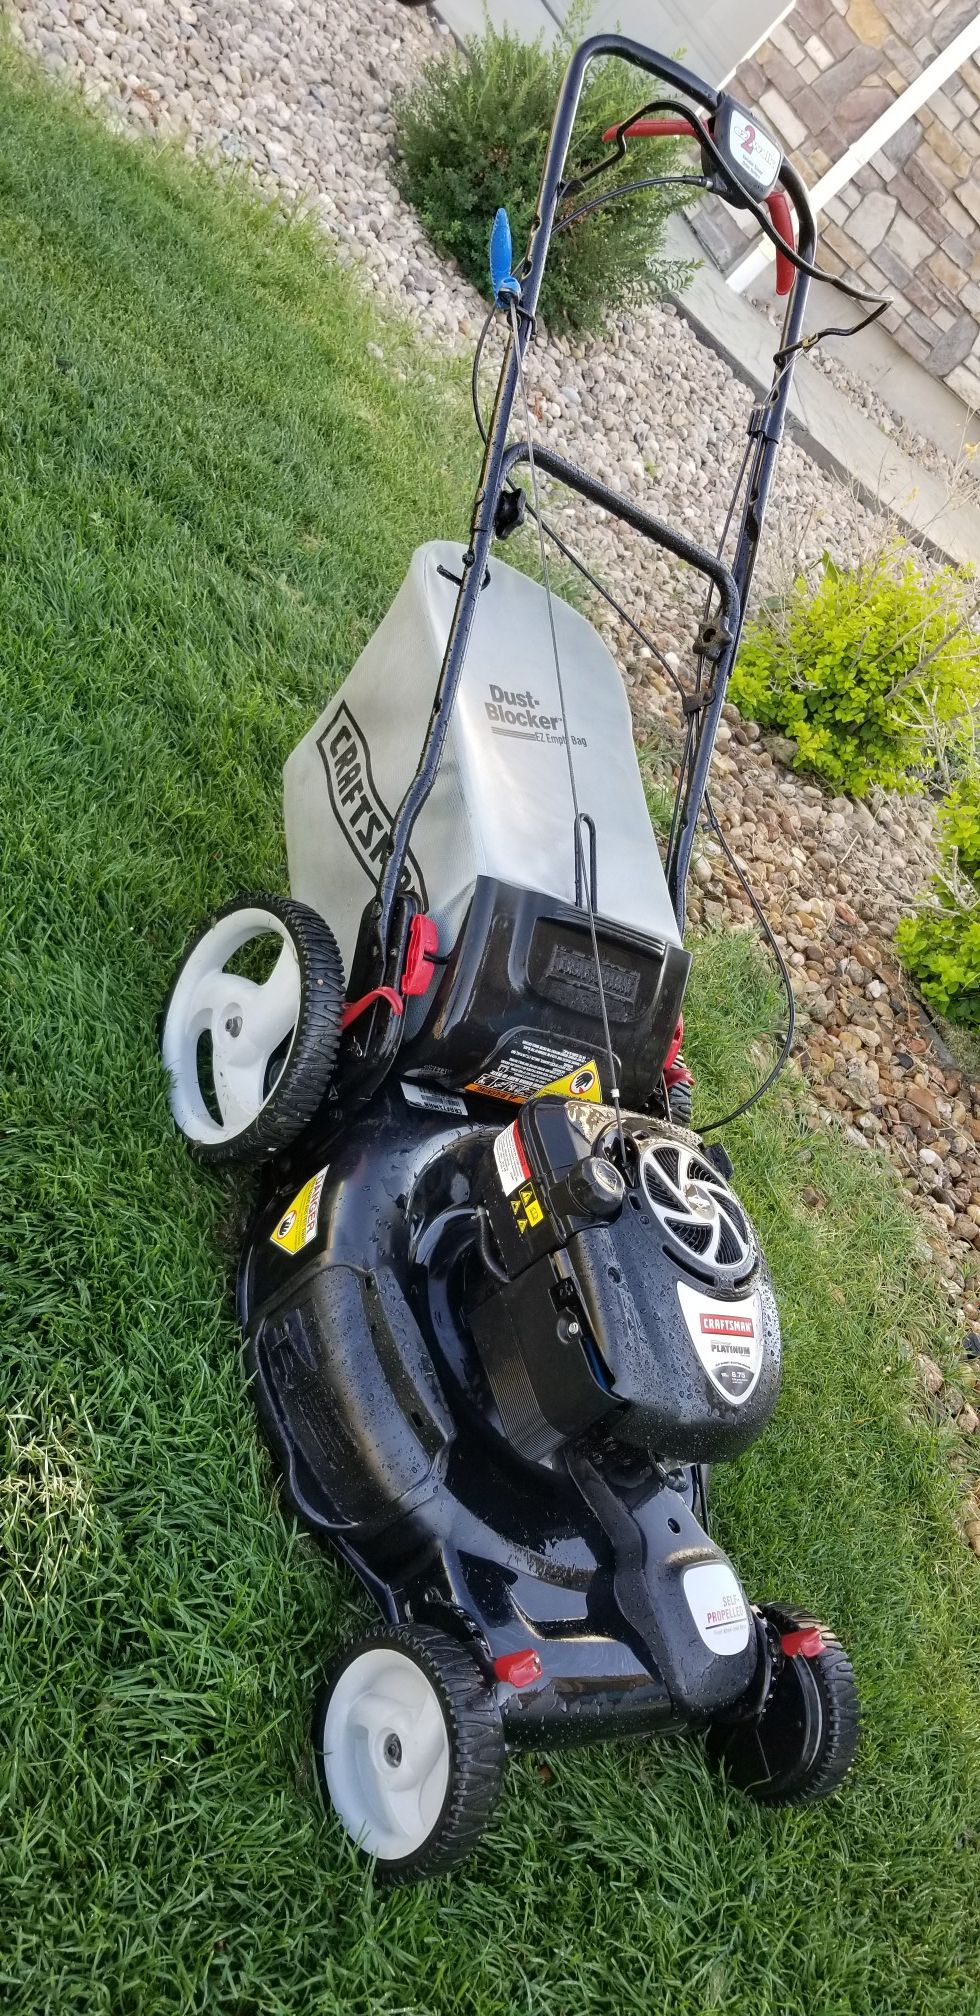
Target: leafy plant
[(472, 135), (856, 669), (940, 946)]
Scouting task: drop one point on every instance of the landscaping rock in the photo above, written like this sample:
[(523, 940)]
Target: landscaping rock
[(930, 1375)]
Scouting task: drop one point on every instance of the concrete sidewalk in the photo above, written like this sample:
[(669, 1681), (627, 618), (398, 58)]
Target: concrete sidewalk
[(836, 433)]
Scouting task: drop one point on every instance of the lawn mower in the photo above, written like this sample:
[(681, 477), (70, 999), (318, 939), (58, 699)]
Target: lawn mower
[(502, 1308)]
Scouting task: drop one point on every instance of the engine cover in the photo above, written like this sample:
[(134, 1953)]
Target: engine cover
[(628, 1291)]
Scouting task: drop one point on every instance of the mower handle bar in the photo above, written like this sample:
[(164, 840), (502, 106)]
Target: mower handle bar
[(381, 921), (777, 203)]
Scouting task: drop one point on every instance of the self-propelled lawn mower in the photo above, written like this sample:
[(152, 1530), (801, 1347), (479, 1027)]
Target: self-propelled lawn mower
[(502, 1308)]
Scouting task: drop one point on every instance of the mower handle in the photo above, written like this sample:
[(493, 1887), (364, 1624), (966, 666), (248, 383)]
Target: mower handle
[(777, 203)]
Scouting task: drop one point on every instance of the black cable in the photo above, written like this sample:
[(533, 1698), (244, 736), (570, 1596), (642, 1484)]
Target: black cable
[(475, 373), (483, 1240), (609, 597), (770, 937), (629, 189), (692, 739), (762, 919)]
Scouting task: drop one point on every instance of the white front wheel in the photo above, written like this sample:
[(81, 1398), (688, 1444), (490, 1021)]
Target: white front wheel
[(409, 1749)]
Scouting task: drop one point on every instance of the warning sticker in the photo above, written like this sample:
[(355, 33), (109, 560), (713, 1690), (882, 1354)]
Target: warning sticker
[(526, 1208), (512, 1163), (580, 1084), (533, 1064), (298, 1225), (432, 1098)]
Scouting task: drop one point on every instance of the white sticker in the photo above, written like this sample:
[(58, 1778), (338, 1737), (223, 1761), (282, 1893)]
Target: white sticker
[(753, 150), (717, 1606), (432, 1098), (512, 1163), (727, 1337)]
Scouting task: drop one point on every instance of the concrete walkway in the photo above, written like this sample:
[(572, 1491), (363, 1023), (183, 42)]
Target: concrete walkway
[(838, 436)]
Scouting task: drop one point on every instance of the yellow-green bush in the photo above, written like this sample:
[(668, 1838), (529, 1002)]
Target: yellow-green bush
[(856, 668), (941, 946)]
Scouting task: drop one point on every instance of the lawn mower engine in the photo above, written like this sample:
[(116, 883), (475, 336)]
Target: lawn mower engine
[(623, 1288)]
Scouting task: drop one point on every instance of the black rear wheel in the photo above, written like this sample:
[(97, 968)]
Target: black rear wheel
[(802, 1745)]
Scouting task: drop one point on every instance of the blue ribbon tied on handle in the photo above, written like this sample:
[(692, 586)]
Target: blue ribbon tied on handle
[(502, 279)]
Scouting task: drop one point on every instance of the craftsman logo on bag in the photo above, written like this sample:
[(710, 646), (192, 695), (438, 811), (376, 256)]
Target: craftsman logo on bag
[(359, 809), (726, 1326)]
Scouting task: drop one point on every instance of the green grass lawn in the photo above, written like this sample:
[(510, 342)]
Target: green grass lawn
[(210, 490)]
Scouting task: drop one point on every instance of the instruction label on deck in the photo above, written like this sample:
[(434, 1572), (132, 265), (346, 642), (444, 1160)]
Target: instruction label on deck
[(532, 1064)]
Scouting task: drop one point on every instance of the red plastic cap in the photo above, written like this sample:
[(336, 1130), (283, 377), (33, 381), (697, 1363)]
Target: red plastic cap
[(806, 1644), (423, 943), (519, 1668)]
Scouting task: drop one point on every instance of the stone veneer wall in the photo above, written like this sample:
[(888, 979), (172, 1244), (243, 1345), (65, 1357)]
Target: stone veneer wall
[(909, 222)]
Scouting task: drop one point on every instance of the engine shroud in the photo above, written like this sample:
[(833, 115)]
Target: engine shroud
[(634, 1297)]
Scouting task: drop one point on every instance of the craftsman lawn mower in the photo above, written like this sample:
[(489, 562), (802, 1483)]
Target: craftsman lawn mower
[(502, 1307)]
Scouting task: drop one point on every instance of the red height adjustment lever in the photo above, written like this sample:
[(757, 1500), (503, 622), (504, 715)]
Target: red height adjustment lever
[(519, 1668), (806, 1644), (777, 203), (423, 945), (675, 1069), (420, 953)]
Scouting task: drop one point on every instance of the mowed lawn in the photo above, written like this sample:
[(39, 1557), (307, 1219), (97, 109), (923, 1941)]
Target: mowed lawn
[(209, 491)]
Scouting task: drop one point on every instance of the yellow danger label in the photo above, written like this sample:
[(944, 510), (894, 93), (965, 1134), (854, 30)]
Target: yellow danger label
[(582, 1083), (526, 1208), (298, 1224)]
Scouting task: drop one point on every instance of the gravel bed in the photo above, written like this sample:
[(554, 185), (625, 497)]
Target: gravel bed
[(300, 92)]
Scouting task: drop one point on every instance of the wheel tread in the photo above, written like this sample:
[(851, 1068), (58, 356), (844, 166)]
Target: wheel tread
[(477, 1746), (834, 1675), (313, 1054)]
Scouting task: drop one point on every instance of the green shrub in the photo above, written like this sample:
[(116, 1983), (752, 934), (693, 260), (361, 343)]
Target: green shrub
[(857, 669), (959, 825), (940, 949), (472, 136), (941, 946)]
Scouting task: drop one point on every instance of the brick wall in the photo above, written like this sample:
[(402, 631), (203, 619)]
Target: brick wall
[(909, 222)]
